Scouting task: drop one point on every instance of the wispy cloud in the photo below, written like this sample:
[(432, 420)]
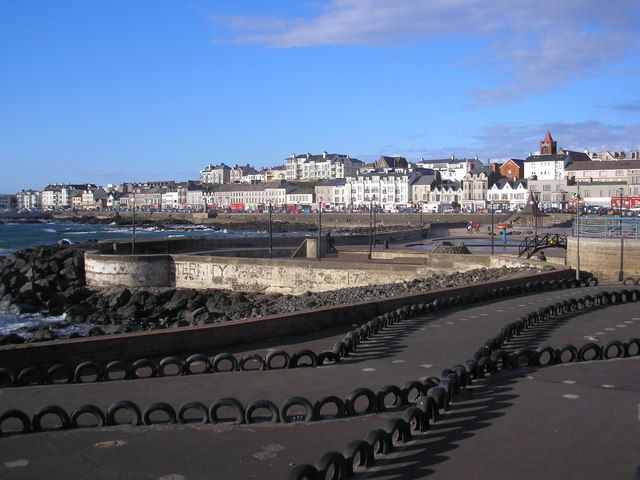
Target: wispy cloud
[(536, 46), (626, 107), (499, 141)]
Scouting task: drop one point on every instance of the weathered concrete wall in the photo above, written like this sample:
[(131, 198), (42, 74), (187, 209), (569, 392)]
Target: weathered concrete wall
[(456, 262), (129, 270), (606, 258), (285, 276), (280, 275), (212, 338)]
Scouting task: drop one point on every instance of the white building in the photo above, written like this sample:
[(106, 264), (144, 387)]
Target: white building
[(309, 167), (508, 194), (216, 174), (388, 190), (450, 168), (59, 196), (29, 199), (171, 200)]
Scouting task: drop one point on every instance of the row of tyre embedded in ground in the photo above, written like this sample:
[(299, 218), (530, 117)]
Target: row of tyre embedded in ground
[(486, 359), (90, 371), (489, 359)]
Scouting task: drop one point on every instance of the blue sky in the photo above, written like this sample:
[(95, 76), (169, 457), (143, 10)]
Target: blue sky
[(117, 91)]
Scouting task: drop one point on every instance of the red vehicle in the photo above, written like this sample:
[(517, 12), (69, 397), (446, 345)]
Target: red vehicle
[(627, 202), (236, 207)]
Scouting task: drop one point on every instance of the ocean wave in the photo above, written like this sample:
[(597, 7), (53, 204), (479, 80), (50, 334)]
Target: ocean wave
[(82, 233), (50, 230), (176, 235)]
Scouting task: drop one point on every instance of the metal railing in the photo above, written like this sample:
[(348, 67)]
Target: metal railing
[(608, 227)]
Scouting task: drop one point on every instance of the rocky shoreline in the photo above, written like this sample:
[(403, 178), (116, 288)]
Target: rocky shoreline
[(50, 280)]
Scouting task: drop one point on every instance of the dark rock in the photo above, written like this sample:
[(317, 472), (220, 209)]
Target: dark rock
[(12, 338), (43, 334), (120, 298)]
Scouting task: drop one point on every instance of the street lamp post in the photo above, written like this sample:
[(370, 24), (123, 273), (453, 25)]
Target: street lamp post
[(534, 206), (133, 231), (492, 223), (319, 232), (621, 273), (370, 228), (578, 232), (375, 239), (270, 233)]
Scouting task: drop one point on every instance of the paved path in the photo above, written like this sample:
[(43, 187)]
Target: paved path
[(511, 426)]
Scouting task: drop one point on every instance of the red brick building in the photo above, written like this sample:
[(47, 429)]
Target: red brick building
[(512, 169)]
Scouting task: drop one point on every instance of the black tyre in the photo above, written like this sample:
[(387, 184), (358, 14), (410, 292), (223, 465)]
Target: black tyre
[(616, 346), (384, 393), (245, 362), (200, 407), (355, 395), (398, 431), (340, 349), (7, 378), (429, 407), (88, 368), (567, 348), (543, 353), (327, 358), (118, 366), (30, 376), (632, 347), (302, 354), (263, 405), (55, 410), (379, 441), (224, 357), (197, 358), (227, 402), (168, 361), (59, 374), (159, 407), (123, 405), (91, 410), (357, 451), (337, 401), (303, 472), (500, 358), (415, 416), (18, 415), (144, 363), (331, 462), (590, 347), (439, 396), (300, 401), (273, 354)]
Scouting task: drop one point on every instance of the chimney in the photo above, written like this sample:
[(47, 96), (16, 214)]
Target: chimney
[(324, 154)]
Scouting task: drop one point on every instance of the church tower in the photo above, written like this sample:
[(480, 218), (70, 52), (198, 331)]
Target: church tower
[(548, 146)]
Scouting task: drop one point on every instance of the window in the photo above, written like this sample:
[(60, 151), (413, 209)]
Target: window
[(546, 188)]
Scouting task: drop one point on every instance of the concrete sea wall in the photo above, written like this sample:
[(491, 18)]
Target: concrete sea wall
[(257, 275), (606, 258)]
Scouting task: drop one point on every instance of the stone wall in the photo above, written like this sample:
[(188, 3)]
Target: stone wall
[(606, 258)]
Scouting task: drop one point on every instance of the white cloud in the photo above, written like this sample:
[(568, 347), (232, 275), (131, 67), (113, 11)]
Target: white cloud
[(499, 141), (571, 38)]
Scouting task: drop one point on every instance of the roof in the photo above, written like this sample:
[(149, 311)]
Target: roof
[(425, 180), (608, 165), (566, 156), (502, 182), (335, 182), (519, 162), (548, 137), (392, 162)]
